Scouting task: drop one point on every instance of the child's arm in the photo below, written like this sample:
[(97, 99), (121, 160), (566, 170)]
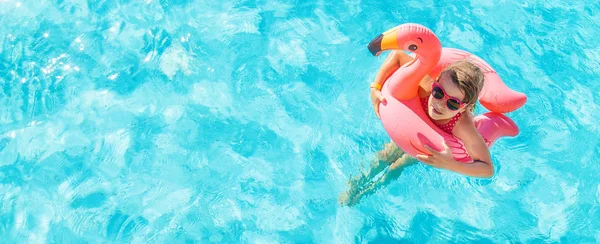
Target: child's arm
[(481, 166), (394, 61), (482, 163)]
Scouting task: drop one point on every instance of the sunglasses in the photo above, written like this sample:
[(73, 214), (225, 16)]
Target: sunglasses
[(452, 102)]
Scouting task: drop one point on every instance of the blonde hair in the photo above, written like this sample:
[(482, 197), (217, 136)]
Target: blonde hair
[(469, 79)]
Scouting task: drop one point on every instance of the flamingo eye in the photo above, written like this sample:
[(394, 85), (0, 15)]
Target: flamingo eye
[(413, 47)]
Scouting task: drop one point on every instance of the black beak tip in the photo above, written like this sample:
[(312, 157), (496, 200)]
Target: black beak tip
[(375, 45)]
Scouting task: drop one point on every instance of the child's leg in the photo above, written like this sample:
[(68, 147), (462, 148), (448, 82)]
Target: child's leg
[(354, 195), (383, 159), (396, 169)]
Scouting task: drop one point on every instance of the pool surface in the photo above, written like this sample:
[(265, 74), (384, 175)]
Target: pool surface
[(180, 121)]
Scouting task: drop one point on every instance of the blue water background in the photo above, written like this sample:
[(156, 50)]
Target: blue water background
[(181, 121)]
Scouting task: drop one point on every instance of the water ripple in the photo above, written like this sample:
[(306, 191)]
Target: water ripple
[(201, 121)]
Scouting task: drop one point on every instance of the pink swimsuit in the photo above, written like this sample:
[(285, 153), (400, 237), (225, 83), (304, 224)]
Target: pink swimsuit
[(445, 127)]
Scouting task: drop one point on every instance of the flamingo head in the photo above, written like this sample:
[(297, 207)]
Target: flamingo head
[(409, 37)]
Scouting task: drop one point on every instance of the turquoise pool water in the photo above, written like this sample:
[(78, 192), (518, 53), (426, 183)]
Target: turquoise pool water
[(180, 121)]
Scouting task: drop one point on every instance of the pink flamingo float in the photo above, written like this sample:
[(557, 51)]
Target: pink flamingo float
[(402, 116)]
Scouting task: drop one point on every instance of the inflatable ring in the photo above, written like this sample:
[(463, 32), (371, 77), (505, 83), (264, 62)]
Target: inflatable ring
[(403, 118)]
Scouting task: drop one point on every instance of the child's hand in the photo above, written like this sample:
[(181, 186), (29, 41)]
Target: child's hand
[(376, 98), (438, 159)]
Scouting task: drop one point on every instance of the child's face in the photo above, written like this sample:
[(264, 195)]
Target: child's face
[(438, 109)]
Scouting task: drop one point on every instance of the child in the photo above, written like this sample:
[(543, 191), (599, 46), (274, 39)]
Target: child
[(449, 102)]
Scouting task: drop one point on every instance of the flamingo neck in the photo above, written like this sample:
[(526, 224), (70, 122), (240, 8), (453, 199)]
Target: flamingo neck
[(404, 83)]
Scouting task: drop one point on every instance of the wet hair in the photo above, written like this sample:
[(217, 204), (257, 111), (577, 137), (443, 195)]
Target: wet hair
[(469, 79)]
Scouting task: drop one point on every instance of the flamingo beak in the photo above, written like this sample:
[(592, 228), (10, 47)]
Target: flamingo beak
[(386, 41)]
